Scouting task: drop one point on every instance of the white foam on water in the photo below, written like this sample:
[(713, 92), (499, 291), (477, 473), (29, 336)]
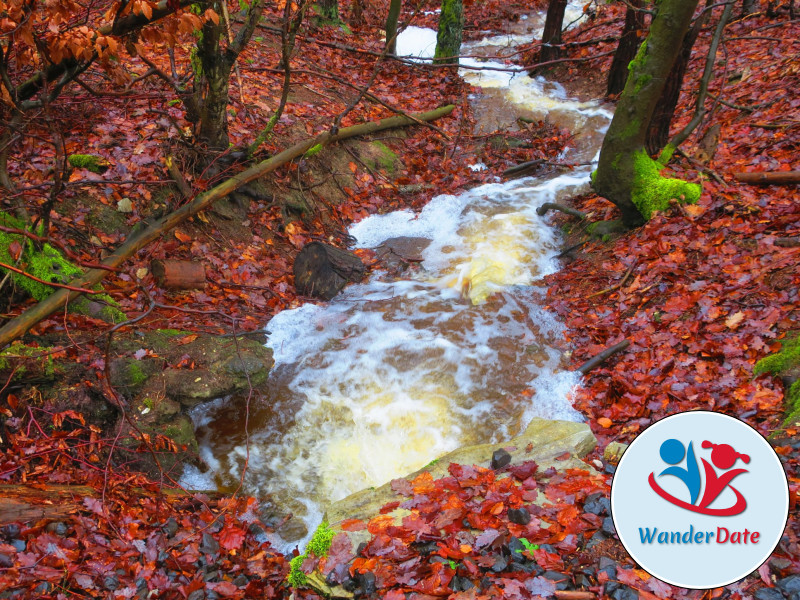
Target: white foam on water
[(392, 374), (416, 42)]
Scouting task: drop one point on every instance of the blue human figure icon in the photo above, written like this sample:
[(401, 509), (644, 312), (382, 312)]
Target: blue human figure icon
[(672, 453)]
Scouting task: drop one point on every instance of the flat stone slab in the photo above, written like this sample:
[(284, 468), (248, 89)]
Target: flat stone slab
[(543, 441)]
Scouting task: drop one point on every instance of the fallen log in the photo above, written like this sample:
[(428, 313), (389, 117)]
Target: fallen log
[(58, 299), (25, 503), (171, 274), (598, 360), (322, 270), (769, 178), (788, 242)]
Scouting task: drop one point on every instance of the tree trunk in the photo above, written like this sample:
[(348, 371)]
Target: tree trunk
[(328, 10), (658, 131), (551, 37), (625, 174), (357, 13), (448, 38), (212, 80), (626, 50), (216, 73), (391, 25), (749, 7)]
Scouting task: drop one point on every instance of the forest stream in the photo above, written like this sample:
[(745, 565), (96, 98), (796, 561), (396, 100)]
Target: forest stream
[(393, 373)]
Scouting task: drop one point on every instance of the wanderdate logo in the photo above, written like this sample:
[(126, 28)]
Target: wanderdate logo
[(699, 499), (723, 457)]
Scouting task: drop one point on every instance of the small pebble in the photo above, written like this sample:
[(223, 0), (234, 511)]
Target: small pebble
[(500, 458), (520, 516)]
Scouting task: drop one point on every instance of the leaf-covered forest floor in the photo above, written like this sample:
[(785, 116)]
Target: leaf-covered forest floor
[(707, 294)]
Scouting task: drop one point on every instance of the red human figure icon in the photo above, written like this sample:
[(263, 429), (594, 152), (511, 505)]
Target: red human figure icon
[(724, 457)]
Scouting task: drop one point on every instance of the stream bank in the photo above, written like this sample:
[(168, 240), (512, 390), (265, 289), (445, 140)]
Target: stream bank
[(397, 371)]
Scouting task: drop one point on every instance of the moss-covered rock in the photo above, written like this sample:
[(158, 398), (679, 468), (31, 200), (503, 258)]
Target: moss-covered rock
[(145, 370), (20, 362), (90, 162), (49, 265), (786, 364), (381, 157), (543, 441), (605, 229)]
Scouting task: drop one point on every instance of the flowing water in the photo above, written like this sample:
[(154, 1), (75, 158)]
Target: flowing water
[(392, 374)]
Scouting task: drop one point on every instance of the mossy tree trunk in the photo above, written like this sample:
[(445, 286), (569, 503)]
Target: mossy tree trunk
[(626, 175), (217, 52), (658, 131), (626, 49), (448, 38), (391, 25), (328, 10), (551, 36)]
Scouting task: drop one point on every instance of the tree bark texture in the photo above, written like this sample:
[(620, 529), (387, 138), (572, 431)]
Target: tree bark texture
[(58, 299), (328, 10), (619, 176), (551, 36), (172, 274), (448, 38), (658, 130), (769, 178), (391, 25), (626, 49)]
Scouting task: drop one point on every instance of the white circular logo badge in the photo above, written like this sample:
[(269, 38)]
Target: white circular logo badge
[(699, 500)]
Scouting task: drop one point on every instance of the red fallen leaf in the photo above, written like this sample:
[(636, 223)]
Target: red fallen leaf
[(353, 525), (486, 537), (362, 565), (183, 237), (524, 471), (379, 524), (231, 537), (389, 507), (339, 553), (94, 505), (402, 487), (15, 250), (224, 588), (548, 560)]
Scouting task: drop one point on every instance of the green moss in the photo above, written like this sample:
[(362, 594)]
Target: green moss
[(321, 540), (136, 374), (296, 576), (90, 162), (793, 406), (182, 433), (639, 59), (641, 82), (386, 157), (48, 264), (16, 354), (318, 546), (781, 362), (448, 37), (666, 155), (651, 192), (313, 150)]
